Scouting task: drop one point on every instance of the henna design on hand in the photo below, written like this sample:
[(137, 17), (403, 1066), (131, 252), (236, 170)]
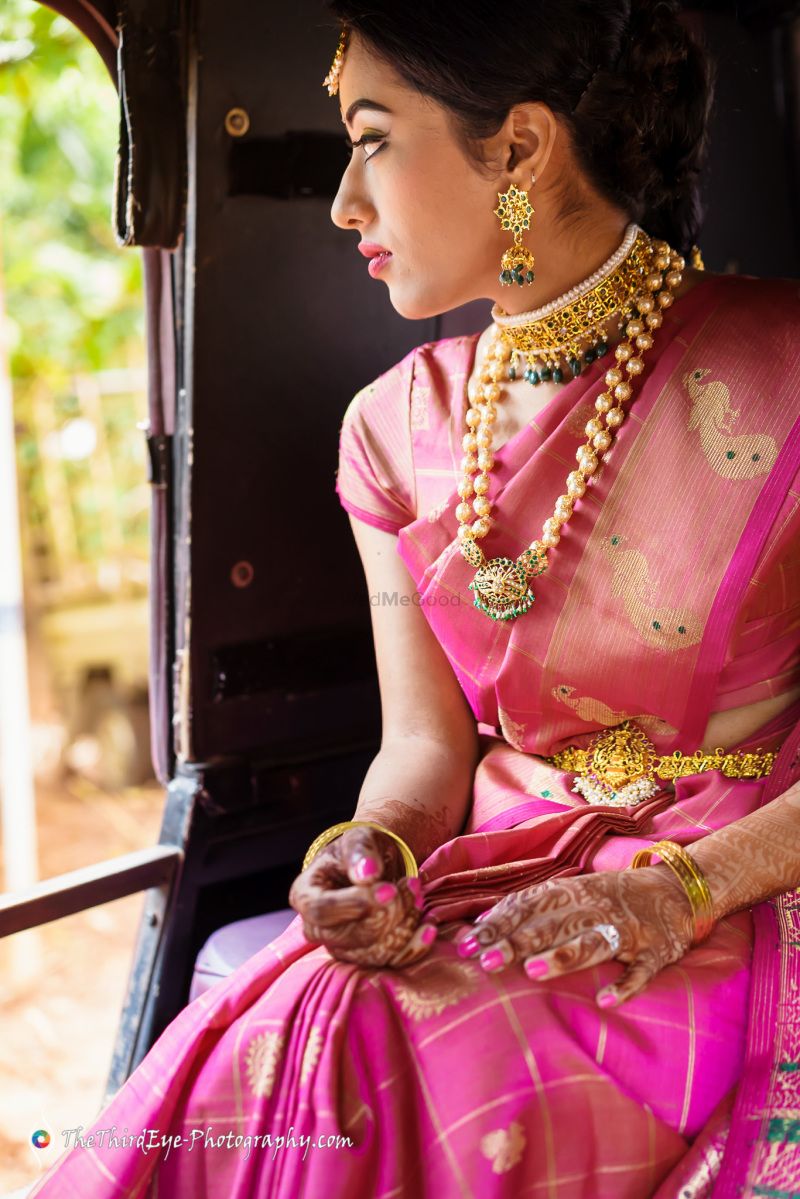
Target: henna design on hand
[(344, 914), (422, 829), (549, 927)]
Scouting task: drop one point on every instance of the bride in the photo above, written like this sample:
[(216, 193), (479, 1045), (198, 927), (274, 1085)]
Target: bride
[(554, 952)]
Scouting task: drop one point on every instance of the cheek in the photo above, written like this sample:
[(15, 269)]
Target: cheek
[(439, 232), (431, 204), (412, 215)]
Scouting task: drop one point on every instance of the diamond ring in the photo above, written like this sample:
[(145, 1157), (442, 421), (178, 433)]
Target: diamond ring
[(610, 933)]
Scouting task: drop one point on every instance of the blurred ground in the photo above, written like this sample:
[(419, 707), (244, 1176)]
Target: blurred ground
[(62, 985)]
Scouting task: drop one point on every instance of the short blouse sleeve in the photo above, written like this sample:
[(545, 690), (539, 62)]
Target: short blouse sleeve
[(375, 477)]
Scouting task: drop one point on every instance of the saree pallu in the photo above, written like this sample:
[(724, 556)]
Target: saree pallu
[(674, 593)]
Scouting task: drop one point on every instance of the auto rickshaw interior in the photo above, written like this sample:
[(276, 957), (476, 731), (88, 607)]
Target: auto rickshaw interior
[(262, 324)]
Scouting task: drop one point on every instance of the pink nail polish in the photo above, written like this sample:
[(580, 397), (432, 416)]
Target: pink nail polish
[(483, 915), (365, 869), (607, 1000), (467, 946), (385, 892), (428, 934), (537, 968), (414, 886), (492, 959)]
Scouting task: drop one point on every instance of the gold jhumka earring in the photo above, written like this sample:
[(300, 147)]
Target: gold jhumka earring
[(514, 212)]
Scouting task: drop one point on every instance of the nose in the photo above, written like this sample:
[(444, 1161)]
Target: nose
[(351, 209)]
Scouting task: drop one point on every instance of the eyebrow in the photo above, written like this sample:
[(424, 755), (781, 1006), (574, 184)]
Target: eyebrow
[(363, 103)]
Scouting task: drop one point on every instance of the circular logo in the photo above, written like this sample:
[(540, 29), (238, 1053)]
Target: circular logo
[(41, 1138)]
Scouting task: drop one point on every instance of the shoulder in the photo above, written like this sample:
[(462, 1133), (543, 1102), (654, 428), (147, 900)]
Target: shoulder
[(447, 354), (387, 391), (765, 311), (757, 288), (438, 365)]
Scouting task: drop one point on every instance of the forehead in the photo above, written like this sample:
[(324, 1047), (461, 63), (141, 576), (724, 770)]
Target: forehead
[(365, 76)]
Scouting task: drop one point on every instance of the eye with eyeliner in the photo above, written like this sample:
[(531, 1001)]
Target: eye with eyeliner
[(364, 140)]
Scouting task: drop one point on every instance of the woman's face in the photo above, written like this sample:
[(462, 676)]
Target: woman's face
[(412, 190)]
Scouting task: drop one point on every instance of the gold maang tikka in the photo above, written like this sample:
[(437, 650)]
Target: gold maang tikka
[(331, 80), (515, 211)]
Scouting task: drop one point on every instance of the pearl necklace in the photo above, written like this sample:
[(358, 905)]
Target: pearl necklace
[(639, 284)]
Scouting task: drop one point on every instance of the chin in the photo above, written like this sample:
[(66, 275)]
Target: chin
[(419, 306)]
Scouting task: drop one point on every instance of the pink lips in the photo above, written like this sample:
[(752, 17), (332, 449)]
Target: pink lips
[(377, 255), (376, 264)]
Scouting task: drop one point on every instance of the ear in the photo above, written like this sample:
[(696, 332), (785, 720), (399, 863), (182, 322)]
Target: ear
[(530, 132)]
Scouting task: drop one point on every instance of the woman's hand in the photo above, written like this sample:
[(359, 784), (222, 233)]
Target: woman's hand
[(355, 898), (549, 927)]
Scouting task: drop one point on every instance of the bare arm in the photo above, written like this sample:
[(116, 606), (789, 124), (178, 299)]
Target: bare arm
[(419, 785), (753, 858), (355, 896)]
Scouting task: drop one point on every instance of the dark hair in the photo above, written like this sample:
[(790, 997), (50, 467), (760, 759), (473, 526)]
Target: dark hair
[(635, 85)]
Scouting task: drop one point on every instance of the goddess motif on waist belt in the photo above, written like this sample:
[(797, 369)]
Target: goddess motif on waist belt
[(619, 766)]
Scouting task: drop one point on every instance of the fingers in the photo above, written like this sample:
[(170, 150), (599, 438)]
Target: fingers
[(419, 945), (386, 923), (633, 979), (321, 894), (563, 952), (402, 941), (589, 948), (515, 939), (365, 854), (539, 909), (329, 908), (377, 955)]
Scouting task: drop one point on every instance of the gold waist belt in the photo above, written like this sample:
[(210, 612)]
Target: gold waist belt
[(619, 766)]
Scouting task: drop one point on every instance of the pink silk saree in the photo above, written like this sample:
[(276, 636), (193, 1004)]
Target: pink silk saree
[(674, 593)]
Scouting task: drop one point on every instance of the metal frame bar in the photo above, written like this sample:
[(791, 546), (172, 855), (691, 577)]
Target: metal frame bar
[(78, 890)]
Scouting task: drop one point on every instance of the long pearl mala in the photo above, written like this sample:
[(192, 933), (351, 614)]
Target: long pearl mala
[(501, 584)]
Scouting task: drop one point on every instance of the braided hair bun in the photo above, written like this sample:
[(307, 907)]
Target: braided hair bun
[(640, 128)]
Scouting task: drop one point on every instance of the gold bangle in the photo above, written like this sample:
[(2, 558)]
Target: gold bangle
[(336, 829), (692, 878)]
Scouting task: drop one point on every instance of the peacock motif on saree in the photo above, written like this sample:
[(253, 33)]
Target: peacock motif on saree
[(732, 455), (658, 625), (595, 711)]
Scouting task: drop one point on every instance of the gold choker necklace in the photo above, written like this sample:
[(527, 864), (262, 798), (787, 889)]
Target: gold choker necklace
[(550, 338), (637, 288)]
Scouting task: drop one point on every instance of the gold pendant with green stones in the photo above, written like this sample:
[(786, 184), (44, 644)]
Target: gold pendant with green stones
[(501, 589)]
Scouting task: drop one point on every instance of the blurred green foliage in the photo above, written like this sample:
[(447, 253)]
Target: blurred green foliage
[(73, 296), (73, 299)]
